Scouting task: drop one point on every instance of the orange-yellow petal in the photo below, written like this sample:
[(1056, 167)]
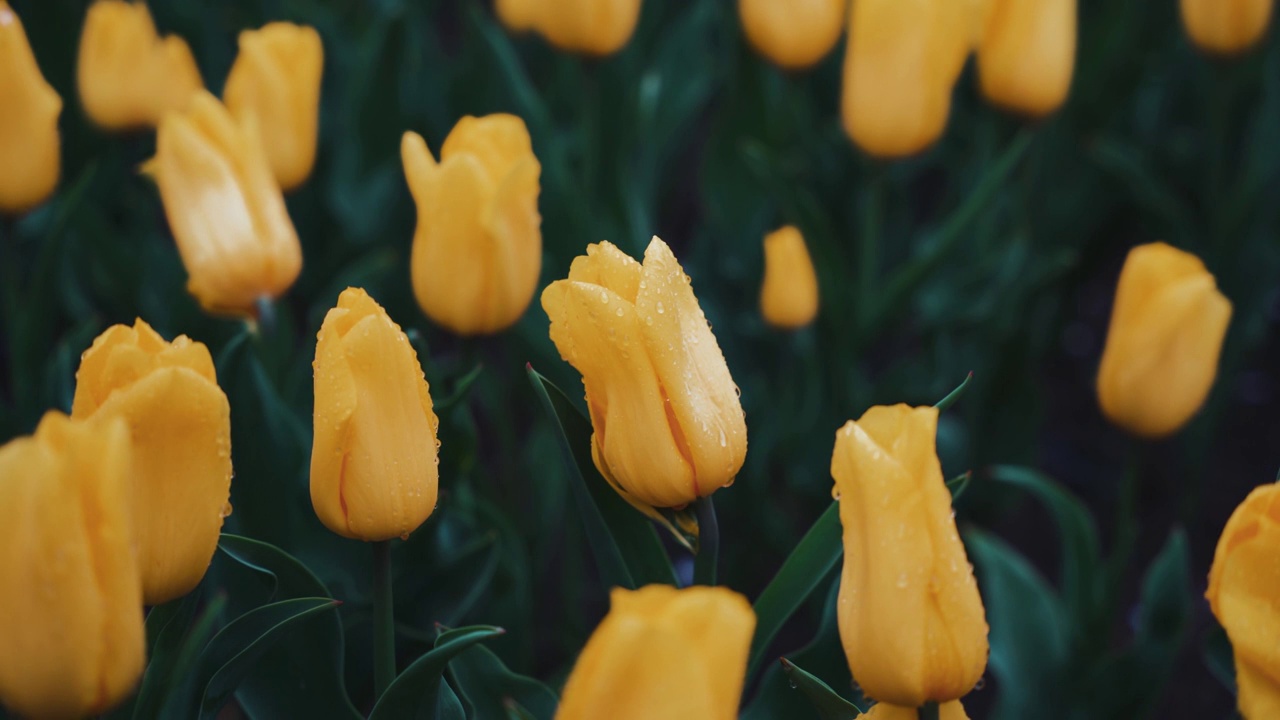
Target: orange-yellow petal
[(30, 146), (789, 292), (795, 35), (1226, 27), (1027, 54)]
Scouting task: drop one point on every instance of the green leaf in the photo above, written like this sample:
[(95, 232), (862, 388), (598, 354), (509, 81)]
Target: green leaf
[(460, 389), (493, 690), (958, 484), (449, 707), (811, 561), (827, 702), (166, 631), (178, 645), (1219, 657), (951, 398), (415, 692)]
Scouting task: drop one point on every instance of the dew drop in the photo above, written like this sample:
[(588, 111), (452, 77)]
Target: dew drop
[(661, 310), (404, 536), (724, 440), (835, 492), (226, 510), (604, 296), (982, 683), (619, 312), (902, 581)]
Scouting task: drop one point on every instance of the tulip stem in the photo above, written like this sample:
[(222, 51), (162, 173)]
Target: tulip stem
[(929, 711), (384, 630), (704, 565)]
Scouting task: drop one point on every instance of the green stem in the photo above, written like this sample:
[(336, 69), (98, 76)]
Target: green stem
[(384, 629), (1126, 532), (929, 711), (704, 565), (9, 278), (869, 247)]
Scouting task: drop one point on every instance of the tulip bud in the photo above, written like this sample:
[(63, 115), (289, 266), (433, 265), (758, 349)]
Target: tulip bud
[(29, 141), (71, 610), (1244, 583), (127, 75), (1226, 27), (668, 424), (590, 27), (225, 209), (663, 653), (789, 295), (477, 251), (884, 711), (1027, 54), (1162, 349), (911, 619), (276, 82), (180, 424), (903, 60), (795, 35), (373, 464)]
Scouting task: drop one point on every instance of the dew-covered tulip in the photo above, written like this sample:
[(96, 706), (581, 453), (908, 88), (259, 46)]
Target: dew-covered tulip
[(71, 609), (477, 251), (589, 27), (794, 35), (180, 424), (128, 76), (1226, 27), (29, 140), (1244, 594), (663, 653), (225, 209), (274, 89), (668, 424), (373, 464), (903, 60), (789, 294), (911, 619), (1167, 328), (1027, 54)]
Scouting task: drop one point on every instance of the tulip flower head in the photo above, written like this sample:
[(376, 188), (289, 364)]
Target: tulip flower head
[(477, 251), (589, 27), (789, 294), (71, 610), (29, 140), (1026, 56), (1226, 27), (663, 653), (794, 35)]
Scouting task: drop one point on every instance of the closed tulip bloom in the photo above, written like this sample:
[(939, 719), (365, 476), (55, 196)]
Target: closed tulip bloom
[(589, 27), (180, 425), (789, 295), (129, 76), (29, 140), (668, 425), (274, 88), (373, 464), (794, 35), (1244, 594), (477, 251), (663, 653), (1162, 349), (225, 209), (911, 619), (1027, 54), (903, 59), (1226, 27), (884, 711), (71, 610)]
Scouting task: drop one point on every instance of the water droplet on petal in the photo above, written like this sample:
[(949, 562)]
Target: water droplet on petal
[(902, 581), (660, 308), (226, 510)]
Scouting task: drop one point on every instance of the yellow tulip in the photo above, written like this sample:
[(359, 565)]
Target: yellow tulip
[(903, 60), (884, 711), (1027, 54), (274, 88), (668, 424), (911, 619), (373, 464), (29, 141), (225, 209), (71, 609), (1244, 584), (180, 424), (128, 76), (663, 653), (477, 251), (795, 35), (1162, 349), (789, 294), (590, 27), (1226, 27)]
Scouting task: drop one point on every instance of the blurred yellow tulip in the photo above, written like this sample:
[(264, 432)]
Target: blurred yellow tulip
[(668, 424), (225, 209), (1244, 589), (477, 251), (180, 425), (29, 140), (589, 27), (274, 89), (1027, 54), (884, 711), (1226, 27), (1162, 349), (71, 609), (663, 653), (794, 35), (789, 294), (373, 463), (911, 619), (128, 76)]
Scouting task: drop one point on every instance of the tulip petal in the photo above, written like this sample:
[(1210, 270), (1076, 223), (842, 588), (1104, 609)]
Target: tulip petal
[(497, 141), (607, 266), (512, 224), (30, 145)]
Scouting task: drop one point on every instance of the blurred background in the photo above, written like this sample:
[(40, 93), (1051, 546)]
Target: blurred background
[(995, 252)]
